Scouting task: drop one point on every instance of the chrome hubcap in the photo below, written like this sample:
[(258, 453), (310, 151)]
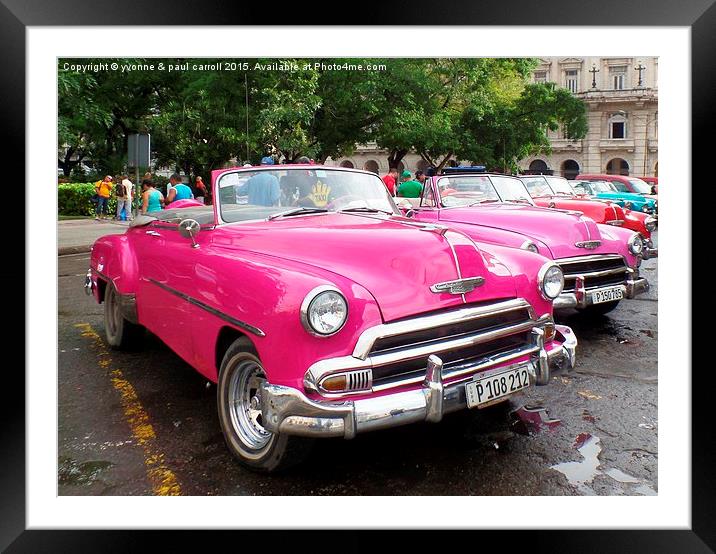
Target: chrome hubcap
[(245, 404)]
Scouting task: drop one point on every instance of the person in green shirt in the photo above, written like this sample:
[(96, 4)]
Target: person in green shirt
[(409, 188)]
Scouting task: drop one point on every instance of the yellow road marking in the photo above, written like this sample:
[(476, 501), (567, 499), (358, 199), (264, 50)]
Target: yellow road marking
[(163, 480)]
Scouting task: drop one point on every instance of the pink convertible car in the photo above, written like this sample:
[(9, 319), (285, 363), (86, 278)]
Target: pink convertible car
[(321, 312), (600, 262)]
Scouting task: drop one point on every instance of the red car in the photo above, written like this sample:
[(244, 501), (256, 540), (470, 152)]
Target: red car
[(556, 192)]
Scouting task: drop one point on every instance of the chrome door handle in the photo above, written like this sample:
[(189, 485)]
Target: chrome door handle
[(153, 233)]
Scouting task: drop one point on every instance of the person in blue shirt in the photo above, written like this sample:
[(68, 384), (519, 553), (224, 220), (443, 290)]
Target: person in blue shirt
[(178, 191), (263, 188)]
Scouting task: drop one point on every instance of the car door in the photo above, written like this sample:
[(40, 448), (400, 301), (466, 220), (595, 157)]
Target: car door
[(167, 287)]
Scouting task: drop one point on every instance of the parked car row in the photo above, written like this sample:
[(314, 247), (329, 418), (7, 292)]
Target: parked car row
[(339, 311)]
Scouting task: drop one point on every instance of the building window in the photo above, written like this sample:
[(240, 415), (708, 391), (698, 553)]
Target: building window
[(617, 127), (540, 76), (617, 75), (571, 79)]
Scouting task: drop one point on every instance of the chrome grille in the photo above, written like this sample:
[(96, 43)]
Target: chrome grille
[(597, 271), (467, 339)]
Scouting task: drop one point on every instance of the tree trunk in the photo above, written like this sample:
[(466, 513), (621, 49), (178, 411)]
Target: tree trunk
[(395, 157), (445, 160)]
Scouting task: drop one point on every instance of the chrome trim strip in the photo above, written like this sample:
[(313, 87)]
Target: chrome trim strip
[(592, 258), (370, 336), (238, 323), (602, 273)]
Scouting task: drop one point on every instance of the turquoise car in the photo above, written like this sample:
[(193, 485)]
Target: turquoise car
[(607, 191)]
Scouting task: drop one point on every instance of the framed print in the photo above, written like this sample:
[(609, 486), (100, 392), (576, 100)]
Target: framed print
[(305, 231)]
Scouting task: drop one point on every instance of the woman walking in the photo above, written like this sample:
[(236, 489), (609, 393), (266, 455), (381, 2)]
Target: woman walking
[(152, 199)]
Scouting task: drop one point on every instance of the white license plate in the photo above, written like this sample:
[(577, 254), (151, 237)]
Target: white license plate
[(485, 390), (607, 295)]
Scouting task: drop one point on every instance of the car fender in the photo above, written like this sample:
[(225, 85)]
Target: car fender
[(113, 259)]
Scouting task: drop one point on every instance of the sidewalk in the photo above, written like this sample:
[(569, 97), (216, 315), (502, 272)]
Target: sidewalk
[(77, 235)]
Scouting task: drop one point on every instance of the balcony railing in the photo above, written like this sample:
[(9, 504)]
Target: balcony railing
[(616, 144), (624, 94)]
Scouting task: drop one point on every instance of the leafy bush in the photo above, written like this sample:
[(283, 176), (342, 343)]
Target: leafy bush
[(76, 199)]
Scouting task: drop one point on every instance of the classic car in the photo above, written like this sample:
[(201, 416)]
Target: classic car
[(627, 184), (557, 192), (548, 191), (600, 262), (320, 311), (653, 182), (607, 191)]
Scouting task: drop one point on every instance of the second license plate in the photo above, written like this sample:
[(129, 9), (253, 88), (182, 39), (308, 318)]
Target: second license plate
[(607, 295), (488, 389)]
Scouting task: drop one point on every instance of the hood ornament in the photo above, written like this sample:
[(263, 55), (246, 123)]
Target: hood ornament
[(588, 244), (459, 286)]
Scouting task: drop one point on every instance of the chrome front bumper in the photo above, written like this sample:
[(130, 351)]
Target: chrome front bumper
[(581, 298), (287, 410)]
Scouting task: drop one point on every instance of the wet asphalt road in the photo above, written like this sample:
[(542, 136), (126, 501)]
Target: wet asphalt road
[(145, 422)]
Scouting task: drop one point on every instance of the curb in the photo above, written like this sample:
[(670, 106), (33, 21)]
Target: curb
[(67, 250)]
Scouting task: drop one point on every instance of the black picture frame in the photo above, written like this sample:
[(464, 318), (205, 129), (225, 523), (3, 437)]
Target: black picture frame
[(699, 15)]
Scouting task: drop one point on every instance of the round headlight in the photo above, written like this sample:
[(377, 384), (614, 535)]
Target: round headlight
[(646, 208), (551, 280), (531, 246), (324, 311), (650, 224), (636, 244)]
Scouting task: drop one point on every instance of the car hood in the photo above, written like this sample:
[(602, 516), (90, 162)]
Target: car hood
[(392, 258), (599, 210), (559, 230), (631, 196)]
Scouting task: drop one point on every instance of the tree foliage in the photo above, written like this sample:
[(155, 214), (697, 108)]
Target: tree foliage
[(478, 109)]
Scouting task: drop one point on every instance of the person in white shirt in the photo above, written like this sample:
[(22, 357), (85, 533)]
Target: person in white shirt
[(125, 201)]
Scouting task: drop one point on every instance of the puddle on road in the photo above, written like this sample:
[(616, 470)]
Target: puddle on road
[(72, 472), (581, 474)]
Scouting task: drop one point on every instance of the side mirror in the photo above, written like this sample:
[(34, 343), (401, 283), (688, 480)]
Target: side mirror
[(189, 228), (410, 213)]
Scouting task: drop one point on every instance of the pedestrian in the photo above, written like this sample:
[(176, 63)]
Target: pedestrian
[(152, 199), (410, 188), (390, 180), (129, 187), (263, 188), (123, 192), (179, 190), (104, 190), (420, 177), (200, 190)]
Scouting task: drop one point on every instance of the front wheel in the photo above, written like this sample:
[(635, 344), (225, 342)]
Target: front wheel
[(601, 309), (239, 406)]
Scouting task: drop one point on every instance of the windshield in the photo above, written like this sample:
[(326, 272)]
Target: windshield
[(560, 185), (247, 194), (603, 186), (640, 186), (511, 189), (537, 186), (466, 190)]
